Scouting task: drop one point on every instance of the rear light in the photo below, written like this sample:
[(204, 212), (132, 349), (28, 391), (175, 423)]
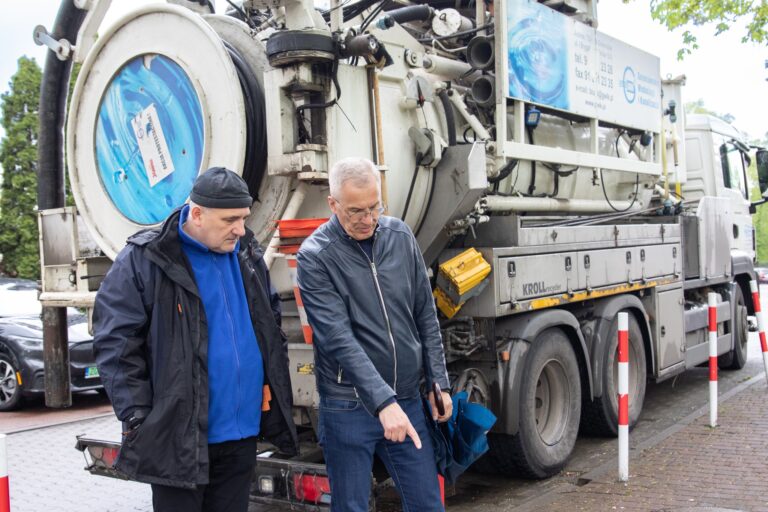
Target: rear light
[(103, 456), (266, 485), (312, 488)]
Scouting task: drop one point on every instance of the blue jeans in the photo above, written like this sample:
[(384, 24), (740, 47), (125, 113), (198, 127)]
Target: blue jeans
[(350, 436)]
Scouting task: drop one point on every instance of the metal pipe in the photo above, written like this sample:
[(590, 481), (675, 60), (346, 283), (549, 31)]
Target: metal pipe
[(290, 212), (412, 13), (374, 81), (481, 53), (56, 358), (664, 170), (505, 204), (474, 122), (484, 90), (50, 193), (448, 68)]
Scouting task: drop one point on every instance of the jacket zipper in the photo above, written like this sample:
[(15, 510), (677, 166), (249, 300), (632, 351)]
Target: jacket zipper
[(383, 308), (234, 341)]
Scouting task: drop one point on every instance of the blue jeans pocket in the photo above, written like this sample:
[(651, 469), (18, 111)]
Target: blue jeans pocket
[(334, 404)]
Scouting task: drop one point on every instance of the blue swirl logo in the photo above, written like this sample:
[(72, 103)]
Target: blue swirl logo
[(629, 84), (537, 64)]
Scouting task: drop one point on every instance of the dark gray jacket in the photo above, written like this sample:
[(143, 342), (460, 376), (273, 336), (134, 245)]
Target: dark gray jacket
[(374, 322), (151, 347)]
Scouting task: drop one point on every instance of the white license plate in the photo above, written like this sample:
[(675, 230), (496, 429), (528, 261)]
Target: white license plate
[(91, 372)]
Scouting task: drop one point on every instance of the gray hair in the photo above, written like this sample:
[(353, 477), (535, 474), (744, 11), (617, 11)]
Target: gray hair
[(358, 170)]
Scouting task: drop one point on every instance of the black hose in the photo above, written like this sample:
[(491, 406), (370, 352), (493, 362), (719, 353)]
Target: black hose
[(411, 13), (454, 4), (368, 19), (351, 10), (419, 156), (450, 119), (605, 194), (637, 182), (255, 162), (504, 172), (52, 110), (532, 185), (456, 35)]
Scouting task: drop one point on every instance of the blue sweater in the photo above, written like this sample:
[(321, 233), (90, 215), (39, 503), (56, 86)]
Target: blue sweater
[(235, 367)]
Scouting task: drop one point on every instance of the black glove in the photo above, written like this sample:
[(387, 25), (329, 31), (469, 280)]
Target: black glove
[(134, 421)]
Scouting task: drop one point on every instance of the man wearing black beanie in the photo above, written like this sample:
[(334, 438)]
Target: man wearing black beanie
[(188, 343)]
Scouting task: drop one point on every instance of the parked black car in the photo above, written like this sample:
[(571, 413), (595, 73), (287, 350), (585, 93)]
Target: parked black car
[(21, 348)]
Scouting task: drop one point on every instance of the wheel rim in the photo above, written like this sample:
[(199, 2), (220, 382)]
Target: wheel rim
[(8, 385), (743, 326), (551, 402), (632, 376)]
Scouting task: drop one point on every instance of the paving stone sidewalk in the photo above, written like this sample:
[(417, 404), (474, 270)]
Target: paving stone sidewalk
[(46, 472), (696, 468)]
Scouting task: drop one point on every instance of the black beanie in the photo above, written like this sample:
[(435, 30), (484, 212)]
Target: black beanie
[(220, 188)]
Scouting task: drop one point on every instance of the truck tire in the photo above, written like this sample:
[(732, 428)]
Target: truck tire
[(10, 390), (737, 357), (550, 408), (600, 416)]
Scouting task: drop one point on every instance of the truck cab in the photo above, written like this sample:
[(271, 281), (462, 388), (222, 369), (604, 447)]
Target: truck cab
[(717, 161)]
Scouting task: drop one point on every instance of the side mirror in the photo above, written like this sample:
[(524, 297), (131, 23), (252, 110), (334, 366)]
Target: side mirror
[(761, 161)]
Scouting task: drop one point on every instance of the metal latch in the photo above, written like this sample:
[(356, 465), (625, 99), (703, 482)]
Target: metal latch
[(62, 48)]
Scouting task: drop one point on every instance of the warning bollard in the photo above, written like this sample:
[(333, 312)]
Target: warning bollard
[(712, 301), (5, 493), (760, 323), (305, 328), (623, 397)]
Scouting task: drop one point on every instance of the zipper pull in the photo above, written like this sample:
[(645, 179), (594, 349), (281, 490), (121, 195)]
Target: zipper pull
[(373, 269), (338, 380)]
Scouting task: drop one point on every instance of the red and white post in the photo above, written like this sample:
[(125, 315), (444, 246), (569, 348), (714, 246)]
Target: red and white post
[(292, 270), (760, 323), (623, 397), (5, 493), (712, 301)]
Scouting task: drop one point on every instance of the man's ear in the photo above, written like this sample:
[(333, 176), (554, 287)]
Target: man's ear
[(332, 204), (195, 213)]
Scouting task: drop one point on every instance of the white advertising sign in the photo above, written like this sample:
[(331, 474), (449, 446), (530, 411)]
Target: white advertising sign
[(152, 145), (557, 62)]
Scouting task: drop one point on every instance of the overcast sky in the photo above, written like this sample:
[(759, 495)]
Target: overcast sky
[(729, 76)]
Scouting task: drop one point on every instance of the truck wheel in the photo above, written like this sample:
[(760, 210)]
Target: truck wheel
[(10, 391), (737, 357), (600, 416), (550, 407)]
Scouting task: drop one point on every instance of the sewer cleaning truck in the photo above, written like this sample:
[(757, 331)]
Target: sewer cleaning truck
[(547, 170)]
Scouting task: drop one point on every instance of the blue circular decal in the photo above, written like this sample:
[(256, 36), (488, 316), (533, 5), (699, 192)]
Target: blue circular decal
[(629, 84), (149, 138)]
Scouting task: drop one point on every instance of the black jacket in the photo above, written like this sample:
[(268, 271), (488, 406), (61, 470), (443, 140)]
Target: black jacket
[(374, 322), (151, 347)]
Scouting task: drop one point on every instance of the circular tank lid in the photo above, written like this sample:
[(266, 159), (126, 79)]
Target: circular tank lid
[(151, 95)]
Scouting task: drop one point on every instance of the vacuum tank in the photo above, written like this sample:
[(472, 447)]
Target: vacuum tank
[(467, 115)]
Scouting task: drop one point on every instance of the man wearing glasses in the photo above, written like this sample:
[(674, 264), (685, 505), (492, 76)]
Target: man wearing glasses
[(367, 296)]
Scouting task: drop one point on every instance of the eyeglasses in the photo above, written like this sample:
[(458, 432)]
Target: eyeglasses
[(358, 214)]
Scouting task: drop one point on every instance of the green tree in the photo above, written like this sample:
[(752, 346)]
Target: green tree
[(760, 217), (723, 14), (18, 158), (698, 107)]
